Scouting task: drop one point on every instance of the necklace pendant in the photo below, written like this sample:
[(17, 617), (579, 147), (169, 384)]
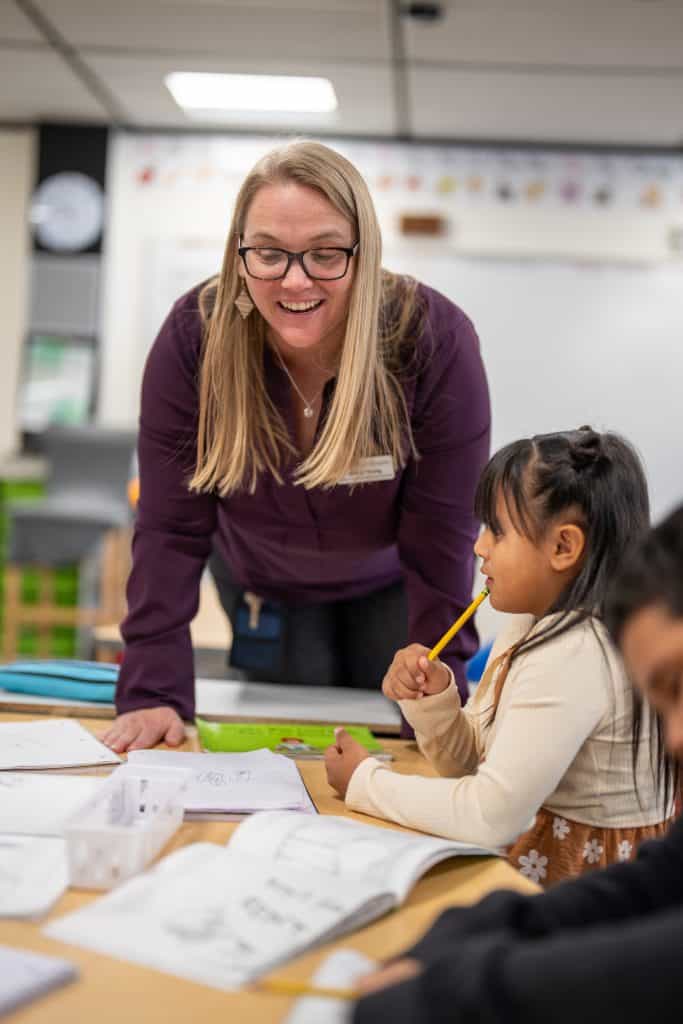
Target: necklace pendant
[(308, 412)]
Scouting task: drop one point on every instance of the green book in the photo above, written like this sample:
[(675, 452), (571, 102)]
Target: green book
[(292, 738)]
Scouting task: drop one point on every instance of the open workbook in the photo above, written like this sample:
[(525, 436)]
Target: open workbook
[(286, 881)]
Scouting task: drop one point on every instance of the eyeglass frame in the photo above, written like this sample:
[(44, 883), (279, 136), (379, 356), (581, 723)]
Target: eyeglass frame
[(349, 252)]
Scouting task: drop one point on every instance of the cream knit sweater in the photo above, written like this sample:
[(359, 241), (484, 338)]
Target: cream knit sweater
[(561, 739)]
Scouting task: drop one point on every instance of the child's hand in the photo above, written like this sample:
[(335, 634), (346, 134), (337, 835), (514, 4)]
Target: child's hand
[(412, 675), (390, 974), (342, 759)]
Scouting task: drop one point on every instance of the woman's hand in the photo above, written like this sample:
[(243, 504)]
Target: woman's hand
[(342, 759), (137, 730), (412, 675), (392, 974)]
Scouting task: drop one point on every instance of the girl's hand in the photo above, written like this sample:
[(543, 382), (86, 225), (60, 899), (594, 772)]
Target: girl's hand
[(412, 675), (137, 730), (392, 974), (342, 759)]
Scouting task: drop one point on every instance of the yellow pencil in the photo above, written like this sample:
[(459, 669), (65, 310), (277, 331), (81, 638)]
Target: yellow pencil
[(287, 987), (458, 624)]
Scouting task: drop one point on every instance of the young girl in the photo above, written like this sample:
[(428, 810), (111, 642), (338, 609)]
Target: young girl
[(550, 757)]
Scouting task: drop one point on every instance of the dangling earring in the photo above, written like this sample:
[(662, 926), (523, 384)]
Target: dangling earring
[(244, 303)]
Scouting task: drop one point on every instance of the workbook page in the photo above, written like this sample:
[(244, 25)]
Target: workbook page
[(207, 914), (380, 857)]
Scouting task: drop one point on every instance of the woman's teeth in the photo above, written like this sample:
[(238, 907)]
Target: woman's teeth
[(300, 307)]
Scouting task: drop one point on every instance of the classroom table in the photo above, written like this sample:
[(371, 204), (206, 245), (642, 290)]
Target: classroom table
[(111, 991)]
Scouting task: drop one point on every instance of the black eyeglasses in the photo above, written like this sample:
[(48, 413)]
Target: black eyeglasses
[(268, 264)]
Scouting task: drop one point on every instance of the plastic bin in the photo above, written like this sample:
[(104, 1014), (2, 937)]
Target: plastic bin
[(124, 825)]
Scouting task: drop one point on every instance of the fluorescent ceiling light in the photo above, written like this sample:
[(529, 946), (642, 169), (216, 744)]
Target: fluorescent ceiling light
[(196, 91)]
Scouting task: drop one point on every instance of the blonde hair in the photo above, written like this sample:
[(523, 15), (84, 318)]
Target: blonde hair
[(240, 432)]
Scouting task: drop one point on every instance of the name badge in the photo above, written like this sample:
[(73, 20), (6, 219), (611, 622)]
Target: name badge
[(370, 470)]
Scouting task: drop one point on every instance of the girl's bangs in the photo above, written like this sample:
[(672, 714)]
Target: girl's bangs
[(505, 474)]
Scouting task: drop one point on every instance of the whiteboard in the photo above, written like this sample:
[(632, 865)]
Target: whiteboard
[(567, 344)]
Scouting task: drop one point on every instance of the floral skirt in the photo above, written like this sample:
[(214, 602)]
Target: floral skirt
[(556, 848)]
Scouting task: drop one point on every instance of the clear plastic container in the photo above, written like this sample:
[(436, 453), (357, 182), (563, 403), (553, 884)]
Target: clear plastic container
[(122, 827)]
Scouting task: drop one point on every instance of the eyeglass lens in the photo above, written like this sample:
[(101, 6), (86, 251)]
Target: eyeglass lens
[(323, 264)]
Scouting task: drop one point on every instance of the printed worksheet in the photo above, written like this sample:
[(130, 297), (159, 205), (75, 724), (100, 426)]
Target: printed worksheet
[(285, 882), (33, 874), (339, 970), (54, 743), (206, 914), (33, 803), (255, 781)]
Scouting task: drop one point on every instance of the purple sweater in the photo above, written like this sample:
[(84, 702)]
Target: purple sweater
[(303, 546)]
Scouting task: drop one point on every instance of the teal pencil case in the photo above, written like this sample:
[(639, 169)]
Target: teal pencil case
[(73, 680)]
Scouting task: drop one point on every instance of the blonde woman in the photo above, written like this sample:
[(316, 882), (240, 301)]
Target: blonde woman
[(321, 423)]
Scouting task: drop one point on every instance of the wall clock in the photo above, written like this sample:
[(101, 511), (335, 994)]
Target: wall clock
[(67, 212)]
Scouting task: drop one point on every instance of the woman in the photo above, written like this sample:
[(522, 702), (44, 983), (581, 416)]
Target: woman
[(324, 422)]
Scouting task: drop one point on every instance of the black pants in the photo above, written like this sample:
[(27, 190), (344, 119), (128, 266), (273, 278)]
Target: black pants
[(339, 643)]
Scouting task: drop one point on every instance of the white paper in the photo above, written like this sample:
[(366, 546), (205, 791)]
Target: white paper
[(55, 743), (40, 805), (206, 914), (33, 874), (381, 857), (257, 780), (23, 976), (339, 970)]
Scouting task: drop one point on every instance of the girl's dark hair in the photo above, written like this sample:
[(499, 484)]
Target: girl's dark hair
[(598, 482)]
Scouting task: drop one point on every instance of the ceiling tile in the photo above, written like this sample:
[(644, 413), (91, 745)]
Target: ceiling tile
[(37, 85), (364, 93), (608, 33), (339, 31), (15, 27), (609, 108)]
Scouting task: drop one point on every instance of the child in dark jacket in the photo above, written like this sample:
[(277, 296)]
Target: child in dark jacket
[(607, 946)]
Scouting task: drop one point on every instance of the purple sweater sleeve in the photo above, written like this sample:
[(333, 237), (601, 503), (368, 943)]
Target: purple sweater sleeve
[(437, 528), (173, 527)]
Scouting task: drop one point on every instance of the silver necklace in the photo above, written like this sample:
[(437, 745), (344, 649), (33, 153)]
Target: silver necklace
[(308, 405)]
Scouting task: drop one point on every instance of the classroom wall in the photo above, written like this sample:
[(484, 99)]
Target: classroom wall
[(17, 154), (576, 299)]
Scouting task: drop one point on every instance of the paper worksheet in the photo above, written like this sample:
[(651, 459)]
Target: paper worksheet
[(55, 743), (208, 914), (25, 976), (33, 803), (339, 970), (223, 783), (33, 874)]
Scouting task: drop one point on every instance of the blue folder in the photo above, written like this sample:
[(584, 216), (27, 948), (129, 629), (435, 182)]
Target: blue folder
[(70, 679)]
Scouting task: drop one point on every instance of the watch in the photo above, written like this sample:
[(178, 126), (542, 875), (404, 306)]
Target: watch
[(67, 212)]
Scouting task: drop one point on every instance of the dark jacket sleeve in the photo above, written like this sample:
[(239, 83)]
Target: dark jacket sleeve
[(627, 974), (595, 949), (173, 526), (451, 422)]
